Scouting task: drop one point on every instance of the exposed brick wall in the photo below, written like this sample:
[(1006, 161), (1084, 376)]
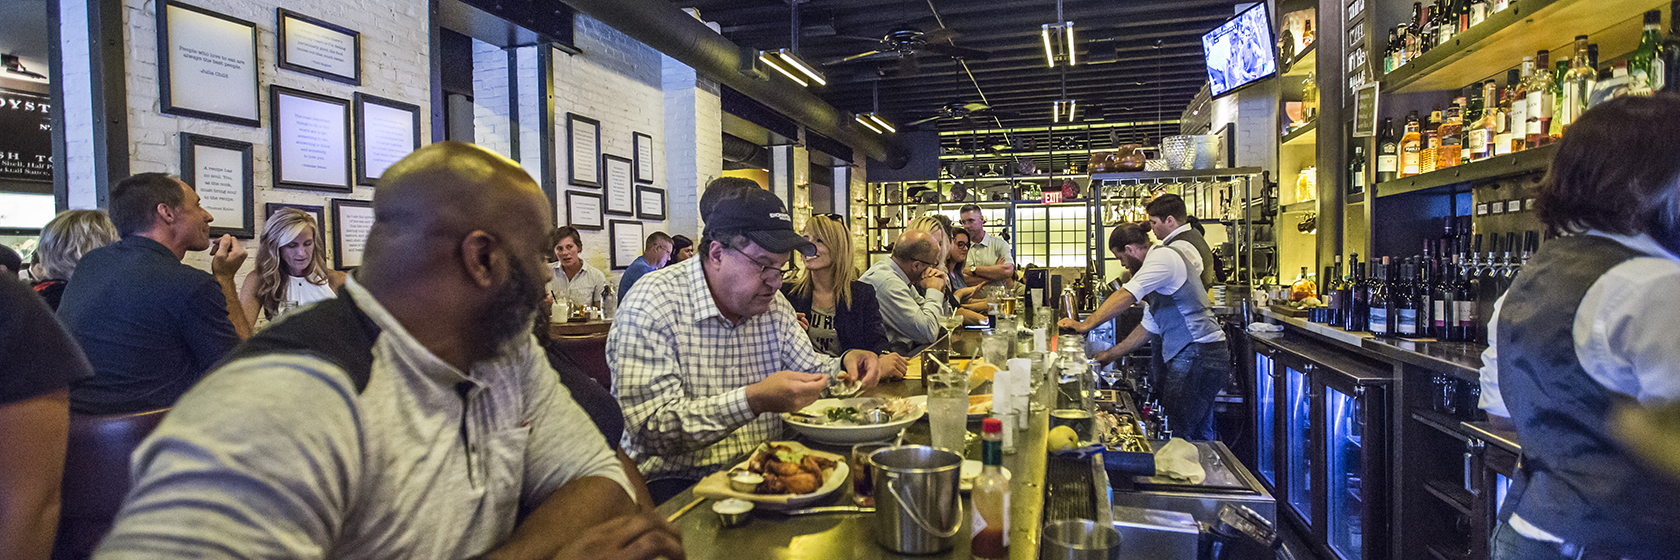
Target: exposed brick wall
[(78, 105), (693, 142), (492, 123), (395, 65)]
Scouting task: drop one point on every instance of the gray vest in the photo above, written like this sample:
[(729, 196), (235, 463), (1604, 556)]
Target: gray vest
[(1196, 240), (1577, 481), (1183, 316)]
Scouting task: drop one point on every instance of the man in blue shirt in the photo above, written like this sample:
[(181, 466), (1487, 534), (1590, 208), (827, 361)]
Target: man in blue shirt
[(655, 252), (150, 325)]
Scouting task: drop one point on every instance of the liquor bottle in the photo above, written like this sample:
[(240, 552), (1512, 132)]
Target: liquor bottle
[(1478, 12), (1356, 170), (1358, 298), (1411, 147), (1414, 33), (1539, 117), (1404, 291), (990, 519), (1503, 133), (1380, 305), (1665, 67), (1471, 114), (1445, 25), (1442, 302), (1307, 35), (1426, 35), (1480, 141), (1431, 142), (1336, 296), (1519, 106), (1577, 86), (1464, 298), (1401, 55), (1388, 52), (1461, 8), (1499, 6), (1555, 131), (1450, 135), (1309, 97), (1639, 66), (1388, 152)]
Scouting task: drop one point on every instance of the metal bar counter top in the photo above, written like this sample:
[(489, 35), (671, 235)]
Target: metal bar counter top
[(851, 535)]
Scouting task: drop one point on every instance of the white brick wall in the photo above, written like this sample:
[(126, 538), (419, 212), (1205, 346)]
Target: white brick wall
[(492, 125), (395, 65), (693, 142), (78, 105), (616, 80)]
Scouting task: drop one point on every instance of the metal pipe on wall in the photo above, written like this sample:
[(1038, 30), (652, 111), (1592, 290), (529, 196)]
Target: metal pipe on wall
[(669, 30)]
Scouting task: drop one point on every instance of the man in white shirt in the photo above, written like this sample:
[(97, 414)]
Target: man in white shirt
[(1195, 360), (573, 278), (989, 257), (1589, 327)]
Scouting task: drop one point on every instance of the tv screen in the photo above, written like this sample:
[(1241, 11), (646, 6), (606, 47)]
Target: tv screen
[(1240, 51)]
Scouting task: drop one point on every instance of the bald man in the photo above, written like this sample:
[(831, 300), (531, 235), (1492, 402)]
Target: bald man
[(412, 417), (911, 291)]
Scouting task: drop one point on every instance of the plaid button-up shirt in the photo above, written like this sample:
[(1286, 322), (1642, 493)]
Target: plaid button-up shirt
[(680, 371)]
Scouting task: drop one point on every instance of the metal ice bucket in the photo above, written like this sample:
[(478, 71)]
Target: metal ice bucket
[(917, 506)]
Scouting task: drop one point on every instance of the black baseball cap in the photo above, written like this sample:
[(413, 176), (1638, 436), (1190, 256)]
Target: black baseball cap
[(762, 218)]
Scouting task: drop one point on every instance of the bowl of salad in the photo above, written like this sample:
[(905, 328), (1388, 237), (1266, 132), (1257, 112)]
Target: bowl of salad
[(846, 421)]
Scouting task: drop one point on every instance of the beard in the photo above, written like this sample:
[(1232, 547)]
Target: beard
[(513, 310)]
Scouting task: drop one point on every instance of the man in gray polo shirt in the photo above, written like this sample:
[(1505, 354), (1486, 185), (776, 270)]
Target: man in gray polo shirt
[(413, 416), (989, 258)]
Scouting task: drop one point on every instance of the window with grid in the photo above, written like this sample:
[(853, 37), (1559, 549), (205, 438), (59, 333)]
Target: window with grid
[(1051, 236)]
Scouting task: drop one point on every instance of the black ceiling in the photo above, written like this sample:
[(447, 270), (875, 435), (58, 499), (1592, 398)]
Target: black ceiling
[(1136, 59)]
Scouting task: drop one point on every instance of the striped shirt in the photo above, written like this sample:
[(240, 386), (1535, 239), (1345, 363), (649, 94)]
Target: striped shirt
[(680, 370)]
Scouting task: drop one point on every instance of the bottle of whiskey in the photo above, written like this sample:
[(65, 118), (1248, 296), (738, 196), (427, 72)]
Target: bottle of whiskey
[(1577, 86), (1450, 147), (1503, 132), (1519, 106), (1431, 142), (1480, 140), (1388, 152), (1356, 170), (1555, 130), (1414, 33), (1411, 148), (1539, 115)]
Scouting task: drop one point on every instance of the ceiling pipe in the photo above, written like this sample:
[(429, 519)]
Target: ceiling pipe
[(669, 30)]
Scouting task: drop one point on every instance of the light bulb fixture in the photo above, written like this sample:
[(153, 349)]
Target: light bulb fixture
[(875, 123), (1062, 110), (866, 124), (1058, 44), (795, 68), (882, 122)]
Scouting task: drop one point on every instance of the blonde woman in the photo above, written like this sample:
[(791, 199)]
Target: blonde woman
[(70, 234), (291, 267), (838, 312)]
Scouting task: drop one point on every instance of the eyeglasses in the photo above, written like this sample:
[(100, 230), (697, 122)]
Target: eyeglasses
[(962, 244), (836, 217), (764, 270)]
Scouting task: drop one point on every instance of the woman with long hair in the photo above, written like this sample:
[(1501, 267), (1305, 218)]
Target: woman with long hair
[(838, 312), (70, 234), (290, 266)]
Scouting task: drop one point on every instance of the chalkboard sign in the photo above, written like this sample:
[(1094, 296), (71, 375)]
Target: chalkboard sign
[(1365, 112), (25, 137)]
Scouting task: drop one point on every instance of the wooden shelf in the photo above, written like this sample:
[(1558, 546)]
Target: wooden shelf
[(1527, 26), (1509, 165), (1307, 135), (1177, 174), (1304, 62), (1307, 206)]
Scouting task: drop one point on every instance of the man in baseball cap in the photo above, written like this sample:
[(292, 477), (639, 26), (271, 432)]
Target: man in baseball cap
[(708, 353)]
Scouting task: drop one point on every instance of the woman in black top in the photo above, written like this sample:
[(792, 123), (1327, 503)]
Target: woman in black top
[(837, 311)]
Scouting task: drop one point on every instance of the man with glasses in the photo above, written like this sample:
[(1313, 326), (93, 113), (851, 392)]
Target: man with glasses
[(707, 354), (989, 258), (911, 292)]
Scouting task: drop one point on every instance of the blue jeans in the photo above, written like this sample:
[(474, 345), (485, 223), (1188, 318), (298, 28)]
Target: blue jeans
[(1508, 544), (1189, 383)]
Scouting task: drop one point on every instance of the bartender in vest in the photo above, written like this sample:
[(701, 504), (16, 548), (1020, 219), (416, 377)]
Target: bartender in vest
[(1587, 328), (1194, 358)]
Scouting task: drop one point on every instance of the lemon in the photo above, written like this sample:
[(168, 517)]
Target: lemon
[(1063, 438)]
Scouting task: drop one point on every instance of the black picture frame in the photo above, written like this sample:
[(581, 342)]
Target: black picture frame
[(280, 129), (577, 168), (616, 228), (619, 198), (643, 193), (320, 216), (643, 142), (364, 175), (171, 103), (341, 259), (283, 39), (245, 177), (589, 211)]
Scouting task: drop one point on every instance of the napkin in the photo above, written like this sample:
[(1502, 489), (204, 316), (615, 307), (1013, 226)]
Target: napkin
[(1180, 460)]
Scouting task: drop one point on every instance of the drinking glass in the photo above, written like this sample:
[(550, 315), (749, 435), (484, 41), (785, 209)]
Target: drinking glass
[(995, 346), (863, 484), (947, 408), (285, 307)]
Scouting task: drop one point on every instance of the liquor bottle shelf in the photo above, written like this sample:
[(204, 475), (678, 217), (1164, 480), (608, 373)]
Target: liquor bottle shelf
[(1177, 174), (1508, 165), (1307, 135), (1527, 26)]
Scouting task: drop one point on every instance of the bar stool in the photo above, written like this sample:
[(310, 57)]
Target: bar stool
[(96, 477)]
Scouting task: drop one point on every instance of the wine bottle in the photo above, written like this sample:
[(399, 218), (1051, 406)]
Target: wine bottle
[(1388, 152), (1444, 300), (1359, 298), (1380, 305), (1665, 67), (1464, 298), (1403, 290), (1356, 170)]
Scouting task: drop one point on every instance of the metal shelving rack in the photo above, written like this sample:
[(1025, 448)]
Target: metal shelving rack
[(1232, 197)]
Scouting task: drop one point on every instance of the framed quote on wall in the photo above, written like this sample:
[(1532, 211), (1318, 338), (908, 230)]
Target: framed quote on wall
[(351, 222), (309, 140), (644, 158), (207, 65), (650, 203), (583, 143), (220, 171), (318, 48), (583, 210), (621, 187), (626, 240), (386, 131)]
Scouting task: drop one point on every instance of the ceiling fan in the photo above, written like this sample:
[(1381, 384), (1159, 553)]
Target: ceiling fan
[(905, 42), (958, 110)]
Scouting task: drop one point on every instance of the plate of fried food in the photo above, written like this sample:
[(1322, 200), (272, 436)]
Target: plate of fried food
[(789, 475)]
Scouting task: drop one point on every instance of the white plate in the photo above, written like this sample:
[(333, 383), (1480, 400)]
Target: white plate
[(716, 485), (847, 435)]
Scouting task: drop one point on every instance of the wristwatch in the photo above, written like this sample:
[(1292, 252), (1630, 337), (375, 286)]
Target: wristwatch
[(971, 269)]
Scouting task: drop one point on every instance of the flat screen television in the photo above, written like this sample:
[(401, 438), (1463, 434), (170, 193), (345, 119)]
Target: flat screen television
[(1240, 51)]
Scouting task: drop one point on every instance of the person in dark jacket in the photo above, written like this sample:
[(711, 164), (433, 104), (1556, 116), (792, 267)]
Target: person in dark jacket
[(835, 309)]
